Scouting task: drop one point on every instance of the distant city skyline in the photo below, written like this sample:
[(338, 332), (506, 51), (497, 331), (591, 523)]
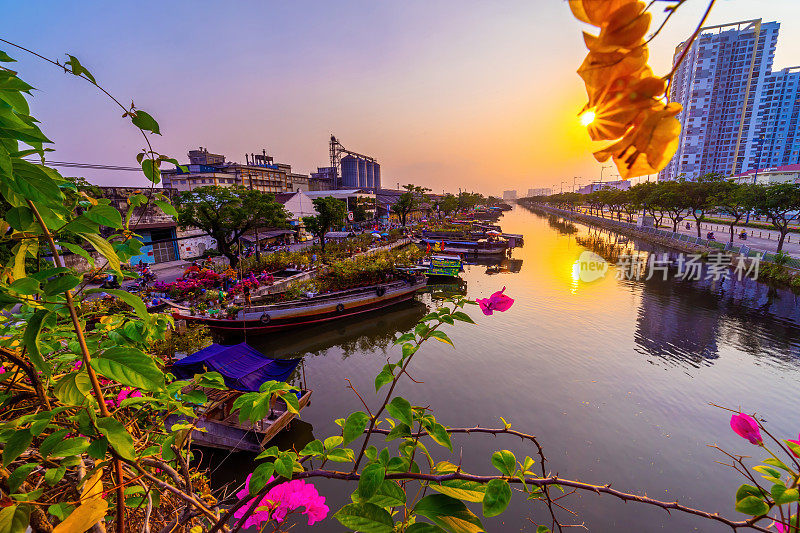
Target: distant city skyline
[(480, 96)]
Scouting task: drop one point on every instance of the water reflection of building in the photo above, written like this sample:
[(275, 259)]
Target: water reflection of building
[(674, 322)]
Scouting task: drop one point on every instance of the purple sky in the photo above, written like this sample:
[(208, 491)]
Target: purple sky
[(474, 94)]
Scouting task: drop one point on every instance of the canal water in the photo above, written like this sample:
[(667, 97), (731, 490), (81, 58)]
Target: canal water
[(615, 377)]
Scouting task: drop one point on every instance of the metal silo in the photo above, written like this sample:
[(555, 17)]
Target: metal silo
[(362, 173), (370, 175), (376, 172), (349, 172)]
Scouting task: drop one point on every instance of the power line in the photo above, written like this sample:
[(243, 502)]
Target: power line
[(96, 166)]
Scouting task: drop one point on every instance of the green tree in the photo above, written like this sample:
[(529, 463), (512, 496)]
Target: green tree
[(780, 203), (736, 201), (330, 212), (227, 213), (673, 202), (448, 204), (700, 195)]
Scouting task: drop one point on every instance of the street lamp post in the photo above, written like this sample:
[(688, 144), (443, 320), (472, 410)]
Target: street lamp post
[(758, 164)]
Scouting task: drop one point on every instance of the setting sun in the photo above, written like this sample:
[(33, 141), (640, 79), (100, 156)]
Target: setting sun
[(587, 117)]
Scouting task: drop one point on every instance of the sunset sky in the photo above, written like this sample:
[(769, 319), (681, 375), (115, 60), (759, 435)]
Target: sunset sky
[(475, 94)]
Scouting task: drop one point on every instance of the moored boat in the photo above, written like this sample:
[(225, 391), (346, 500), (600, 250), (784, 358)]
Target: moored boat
[(311, 309), (480, 247), (244, 369)]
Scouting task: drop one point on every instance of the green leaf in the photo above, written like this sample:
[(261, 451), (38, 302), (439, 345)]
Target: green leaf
[(17, 443), (389, 494), (770, 473), (129, 366), (79, 69), (18, 476), (61, 284), (131, 299), (400, 430), (354, 426), (313, 448), (462, 316), (30, 339), (151, 171), (284, 466), (105, 215), (25, 286), (77, 250), (470, 491), (752, 505), (69, 447), (47, 445), (167, 208), (73, 389), (54, 475), (119, 438), (782, 495), (5, 58), (341, 455), (505, 462), (440, 435), (15, 518), (105, 249), (543, 529), (497, 497), (333, 442), (400, 408), (371, 479), (260, 477), (794, 447), (365, 518), (384, 377), (405, 337), (97, 449), (441, 336), (777, 463), (60, 510), (19, 218), (449, 514), (145, 121)]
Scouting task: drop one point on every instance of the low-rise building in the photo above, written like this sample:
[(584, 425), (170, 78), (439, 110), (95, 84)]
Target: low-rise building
[(509, 195), (259, 172), (544, 191), (770, 176), (158, 230), (622, 185)]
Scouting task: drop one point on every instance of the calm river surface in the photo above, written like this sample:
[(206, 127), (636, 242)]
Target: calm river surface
[(615, 377)]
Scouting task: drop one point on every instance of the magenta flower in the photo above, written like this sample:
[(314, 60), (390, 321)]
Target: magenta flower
[(780, 527), (496, 302), (281, 500), (746, 427), (794, 442), (128, 392)]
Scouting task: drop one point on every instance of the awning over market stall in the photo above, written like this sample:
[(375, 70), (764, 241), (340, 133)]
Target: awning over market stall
[(243, 367)]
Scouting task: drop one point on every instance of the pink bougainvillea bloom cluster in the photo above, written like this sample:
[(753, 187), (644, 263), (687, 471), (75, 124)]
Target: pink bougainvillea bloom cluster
[(128, 392), (794, 442), (781, 528), (746, 427), (496, 302), (281, 500)]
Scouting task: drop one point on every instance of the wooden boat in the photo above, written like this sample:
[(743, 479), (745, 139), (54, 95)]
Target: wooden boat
[(480, 247), (444, 266), (310, 310), (244, 370)]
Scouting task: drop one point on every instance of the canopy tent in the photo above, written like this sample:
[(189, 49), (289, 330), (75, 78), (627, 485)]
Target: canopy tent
[(243, 367), (298, 204)]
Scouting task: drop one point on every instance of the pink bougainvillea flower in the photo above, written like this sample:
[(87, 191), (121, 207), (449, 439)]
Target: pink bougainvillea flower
[(128, 392), (77, 365), (794, 442), (746, 427), (496, 302), (281, 500), (781, 528)]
